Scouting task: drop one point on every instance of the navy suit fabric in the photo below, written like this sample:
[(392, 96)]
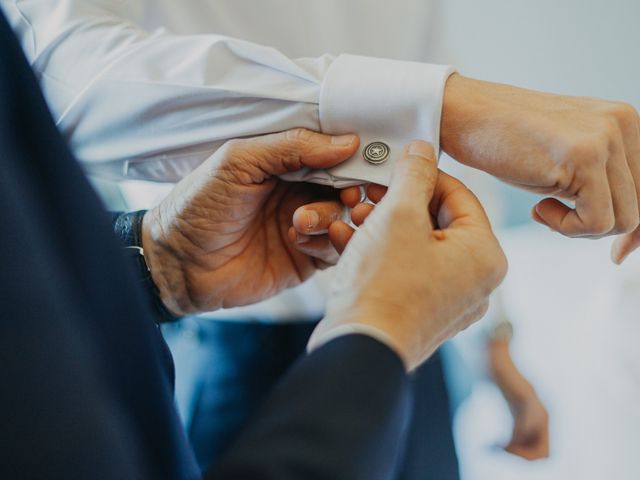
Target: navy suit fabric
[(225, 369)]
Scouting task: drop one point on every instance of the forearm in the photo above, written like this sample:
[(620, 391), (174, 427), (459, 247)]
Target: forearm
[(465, 112)]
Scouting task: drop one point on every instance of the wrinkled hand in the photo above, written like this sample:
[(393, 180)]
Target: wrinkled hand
[(583, 150), (221, 238), (414, 281)]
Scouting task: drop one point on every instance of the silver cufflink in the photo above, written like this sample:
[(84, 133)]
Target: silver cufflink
[(376, 153)]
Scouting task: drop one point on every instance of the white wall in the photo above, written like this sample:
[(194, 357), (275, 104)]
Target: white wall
[(579, 47)]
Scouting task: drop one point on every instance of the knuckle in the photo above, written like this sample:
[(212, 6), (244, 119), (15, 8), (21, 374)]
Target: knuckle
[(584, 152), (299, 135), (242, 161), (624, 113), (233, 147), (601, 225), (610, 128), (627, 224), (563, 174), (291, 156), (426, 150)]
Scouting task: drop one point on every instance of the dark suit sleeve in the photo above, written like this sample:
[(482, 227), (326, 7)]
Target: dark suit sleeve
[(85, 385), (340, 413)]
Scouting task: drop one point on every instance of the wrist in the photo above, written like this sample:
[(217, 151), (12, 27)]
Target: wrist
[(393, 328), (473, 114), (457, 113), (164, 265)]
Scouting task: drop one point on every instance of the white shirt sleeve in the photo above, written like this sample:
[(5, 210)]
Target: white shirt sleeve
[(153, 105)]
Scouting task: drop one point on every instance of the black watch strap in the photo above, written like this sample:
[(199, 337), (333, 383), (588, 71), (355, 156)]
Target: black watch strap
[(128, 228)]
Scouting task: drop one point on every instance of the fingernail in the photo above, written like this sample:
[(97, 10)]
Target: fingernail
[(343, 140), (421, 149), (313, 219)]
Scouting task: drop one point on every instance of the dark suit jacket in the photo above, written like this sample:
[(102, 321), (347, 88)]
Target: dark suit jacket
[(85, 379)]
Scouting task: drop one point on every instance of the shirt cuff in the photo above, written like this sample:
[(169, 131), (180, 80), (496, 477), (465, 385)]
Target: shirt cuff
[(316, 341), (388, 101)]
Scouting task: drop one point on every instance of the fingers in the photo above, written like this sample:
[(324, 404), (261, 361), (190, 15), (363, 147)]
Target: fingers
[(340, 233), (318, 247), (593, 215), (625, 245), (414, 176), (360, 212), (325, 248), (455, 206), (623, 194), (608, 197), (629, 122), (315, 218), (453, 203), (351, 196), (289, 151), (375, 192), (623, 189)]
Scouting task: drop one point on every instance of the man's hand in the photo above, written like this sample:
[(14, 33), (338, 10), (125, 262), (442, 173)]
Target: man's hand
[(415, 280), (221, 238), (583, 150)]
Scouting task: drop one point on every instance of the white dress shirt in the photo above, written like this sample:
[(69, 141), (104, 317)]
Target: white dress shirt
[(147, 89), (147, 103)]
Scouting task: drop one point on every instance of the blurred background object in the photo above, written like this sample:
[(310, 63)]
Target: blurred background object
[(577, 327), (576, 315)]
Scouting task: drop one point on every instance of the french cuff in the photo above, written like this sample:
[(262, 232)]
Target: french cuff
[(388, 103), (318, 340)]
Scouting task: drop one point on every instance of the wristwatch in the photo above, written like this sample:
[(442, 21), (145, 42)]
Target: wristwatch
[(128, 228)]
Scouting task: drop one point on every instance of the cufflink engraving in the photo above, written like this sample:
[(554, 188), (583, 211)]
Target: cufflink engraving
[(376, 153)]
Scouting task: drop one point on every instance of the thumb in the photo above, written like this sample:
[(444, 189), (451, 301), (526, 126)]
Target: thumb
[(290, 151), (414, 175)]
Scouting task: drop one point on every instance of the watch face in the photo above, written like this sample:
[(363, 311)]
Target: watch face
[(376, 153)]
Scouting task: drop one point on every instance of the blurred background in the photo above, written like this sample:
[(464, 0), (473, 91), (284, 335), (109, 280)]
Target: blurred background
[(576, 315)]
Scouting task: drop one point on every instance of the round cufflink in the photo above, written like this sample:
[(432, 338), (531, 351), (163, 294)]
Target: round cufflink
[(376, 153)]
